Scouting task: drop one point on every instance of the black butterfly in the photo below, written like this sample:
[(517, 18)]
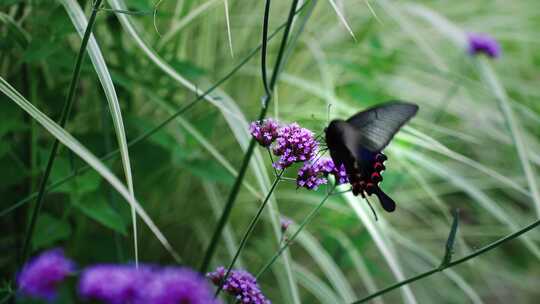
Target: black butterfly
[(358, 141)]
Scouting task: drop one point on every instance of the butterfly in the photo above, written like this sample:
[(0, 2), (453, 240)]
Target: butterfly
[(356, 143)]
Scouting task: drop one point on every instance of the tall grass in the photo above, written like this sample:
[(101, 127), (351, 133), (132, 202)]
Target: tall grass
[(180, 100)]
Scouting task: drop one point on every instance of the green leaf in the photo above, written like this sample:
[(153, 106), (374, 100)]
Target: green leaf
[(50, 230), (96, 207), (210, 171)]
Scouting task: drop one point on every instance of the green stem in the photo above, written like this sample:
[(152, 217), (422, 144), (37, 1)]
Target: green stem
[(249, 152), (154, 130), (306, 221), (250, 228), (451, 264), (63, 119)]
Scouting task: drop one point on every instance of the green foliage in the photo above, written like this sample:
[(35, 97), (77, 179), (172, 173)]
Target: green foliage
[(459, 151)]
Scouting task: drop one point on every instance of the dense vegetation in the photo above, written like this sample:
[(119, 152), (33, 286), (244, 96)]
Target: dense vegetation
[(473, 145)]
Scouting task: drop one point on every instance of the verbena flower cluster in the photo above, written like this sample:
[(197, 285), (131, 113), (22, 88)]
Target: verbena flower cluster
[(41, 276), (240, 284), (115, 284), (480, 43), (294, 144), (264, 132)]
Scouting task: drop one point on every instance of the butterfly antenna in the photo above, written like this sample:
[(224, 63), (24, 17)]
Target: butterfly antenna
[(372, 210)]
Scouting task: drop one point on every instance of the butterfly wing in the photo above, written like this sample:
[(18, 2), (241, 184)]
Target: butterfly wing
[(376, 126)]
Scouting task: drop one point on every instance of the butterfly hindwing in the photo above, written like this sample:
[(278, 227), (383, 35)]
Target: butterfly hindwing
[(376, 126)]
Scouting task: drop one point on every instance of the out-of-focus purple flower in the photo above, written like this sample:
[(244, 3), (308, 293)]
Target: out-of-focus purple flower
[(41, 276), (264, 132), (480, 43), (114, 284), (294, 144), (240, 284), (328, 167), (177, 285), (285, 223), (311, 176)]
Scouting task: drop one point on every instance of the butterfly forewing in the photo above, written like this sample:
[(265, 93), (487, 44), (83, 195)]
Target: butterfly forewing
[(376, 126)]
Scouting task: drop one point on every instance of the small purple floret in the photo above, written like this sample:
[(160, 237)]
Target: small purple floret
[(41, 276), (265, 132), (294, 144), (240, 284), (480, 43), (328, 167), (311, 176), (178, 285), (285, 223)]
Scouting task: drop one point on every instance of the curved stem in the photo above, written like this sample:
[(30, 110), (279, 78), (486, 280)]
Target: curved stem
[(248, 231), (63, 119), (451, 264), (264, 47), (249, 152), (306, 221)]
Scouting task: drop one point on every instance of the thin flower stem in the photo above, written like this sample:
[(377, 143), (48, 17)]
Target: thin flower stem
[(451, 264), (250, 228), (306, 221), (157, 128), (63, 119), (249, 152), (272, 161), (264, 47)]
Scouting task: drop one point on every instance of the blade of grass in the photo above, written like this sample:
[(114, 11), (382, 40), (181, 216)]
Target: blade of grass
[(228, 22), (79, 21), (342, 18)]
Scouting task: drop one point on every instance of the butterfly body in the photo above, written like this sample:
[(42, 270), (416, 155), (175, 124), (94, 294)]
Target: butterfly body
[(357, 143)]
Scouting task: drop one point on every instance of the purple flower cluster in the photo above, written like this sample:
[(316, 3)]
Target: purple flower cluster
[(240, 284), (294, 144), (314, 174), (126, 284), (264, 132), (41, 276), (480, 43)]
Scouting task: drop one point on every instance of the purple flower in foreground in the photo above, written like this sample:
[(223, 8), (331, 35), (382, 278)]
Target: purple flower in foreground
[(114, 284), (264, 132), (294, 144), (480, 43), (310, 176), (41, 276), (240, 284), (178, 285)]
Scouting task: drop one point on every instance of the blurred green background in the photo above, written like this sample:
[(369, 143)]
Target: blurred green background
[(461, 151)]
